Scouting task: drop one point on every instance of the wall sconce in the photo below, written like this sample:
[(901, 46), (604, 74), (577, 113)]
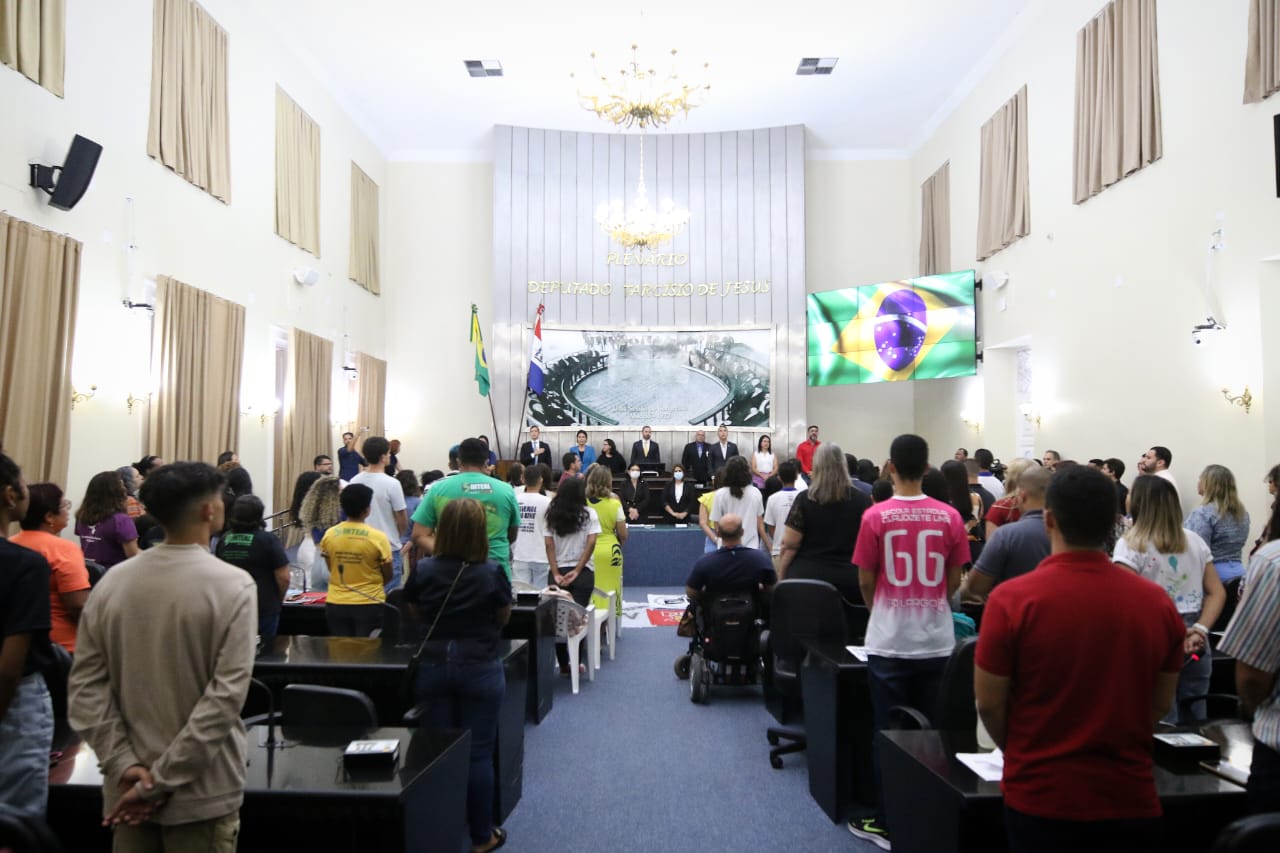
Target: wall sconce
[(132, 401), (971, 420), (264, 413), (79, 397), (1030, 413), (1244, 399)]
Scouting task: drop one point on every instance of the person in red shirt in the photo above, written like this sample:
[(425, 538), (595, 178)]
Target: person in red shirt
[(1075, 663), (805, 450)]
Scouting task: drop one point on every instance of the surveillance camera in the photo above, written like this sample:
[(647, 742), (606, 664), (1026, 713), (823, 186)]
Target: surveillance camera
[(1195, 338)]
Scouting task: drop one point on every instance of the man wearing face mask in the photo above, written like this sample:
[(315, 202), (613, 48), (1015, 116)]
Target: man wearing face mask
[(635, 494), (678, 498)]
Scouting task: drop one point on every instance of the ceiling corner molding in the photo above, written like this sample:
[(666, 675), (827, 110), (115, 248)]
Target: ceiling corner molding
[(970, 81)]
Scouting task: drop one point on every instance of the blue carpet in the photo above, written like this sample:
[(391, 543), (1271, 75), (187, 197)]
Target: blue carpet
[(630, 764)]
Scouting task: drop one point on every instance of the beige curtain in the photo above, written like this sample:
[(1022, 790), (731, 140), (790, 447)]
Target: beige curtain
[(297, 175), (372, 396), (364, 231), (1262, 63), (33, 40), (189, 129), (1004, 196), (197, 352), (307, 387), (935, 222), (1117, 96), (39, 286)]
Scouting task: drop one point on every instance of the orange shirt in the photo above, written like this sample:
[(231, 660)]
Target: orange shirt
[(69, 575)]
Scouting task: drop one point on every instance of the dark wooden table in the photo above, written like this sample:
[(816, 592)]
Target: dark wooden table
[(300, 618), (837, 724), (299, 796), (535, 622), (935, 804)]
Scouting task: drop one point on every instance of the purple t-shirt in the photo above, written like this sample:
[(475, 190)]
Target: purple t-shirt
[(104, 542)]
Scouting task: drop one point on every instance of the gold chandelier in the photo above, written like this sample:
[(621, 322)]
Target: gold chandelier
[(639, 97), (641, 226)]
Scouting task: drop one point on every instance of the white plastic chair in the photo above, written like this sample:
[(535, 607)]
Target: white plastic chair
[(574, 624), (606, 616)]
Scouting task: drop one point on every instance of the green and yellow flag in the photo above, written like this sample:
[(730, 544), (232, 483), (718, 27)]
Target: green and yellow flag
[(917, 328), (482, 363)]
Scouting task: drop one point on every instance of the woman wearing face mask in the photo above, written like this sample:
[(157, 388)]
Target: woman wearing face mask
[(635, 494), (678, 500)]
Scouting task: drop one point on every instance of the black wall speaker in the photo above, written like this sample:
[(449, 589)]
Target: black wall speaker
[(67, 183)]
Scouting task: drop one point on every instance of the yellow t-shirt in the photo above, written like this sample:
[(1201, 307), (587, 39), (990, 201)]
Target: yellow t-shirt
[(360, 551), (706, 500)]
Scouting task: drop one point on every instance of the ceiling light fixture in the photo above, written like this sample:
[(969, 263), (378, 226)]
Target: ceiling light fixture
[(815, 65), (483, 67), (641, 226), (639, 97)]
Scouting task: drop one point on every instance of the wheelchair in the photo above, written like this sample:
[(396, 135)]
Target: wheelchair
[(725, 648)]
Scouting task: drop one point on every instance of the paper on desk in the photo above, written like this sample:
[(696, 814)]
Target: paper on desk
[(859, 652), (988, 765)]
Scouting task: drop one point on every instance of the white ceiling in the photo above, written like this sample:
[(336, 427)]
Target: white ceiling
[(397, 65)]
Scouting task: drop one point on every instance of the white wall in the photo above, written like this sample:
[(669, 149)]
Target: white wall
[(857, 216), (230, 250), (1107, 291)]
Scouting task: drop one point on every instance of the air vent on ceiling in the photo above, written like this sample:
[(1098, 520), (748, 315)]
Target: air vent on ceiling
[(483, 67), (814, 65)]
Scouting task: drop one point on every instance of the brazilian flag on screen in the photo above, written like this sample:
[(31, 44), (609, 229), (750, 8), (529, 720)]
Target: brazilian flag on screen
[(917, 328)]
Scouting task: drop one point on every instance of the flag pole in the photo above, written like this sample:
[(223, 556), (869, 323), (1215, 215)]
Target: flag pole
[(524, 406), (497, 438)]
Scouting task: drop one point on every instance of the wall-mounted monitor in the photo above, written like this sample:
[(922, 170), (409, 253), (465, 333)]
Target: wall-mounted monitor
[(917, 328)]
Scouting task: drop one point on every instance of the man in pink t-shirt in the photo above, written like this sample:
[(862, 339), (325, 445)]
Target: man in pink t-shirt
[(910, 551)]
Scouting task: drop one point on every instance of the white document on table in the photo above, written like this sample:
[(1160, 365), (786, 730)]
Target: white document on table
[(988, 765), (859, 652)]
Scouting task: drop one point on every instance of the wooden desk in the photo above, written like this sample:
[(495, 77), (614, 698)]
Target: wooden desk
[(935, 804), (535, 622), (299, 618), (299, 797), (837, 724)]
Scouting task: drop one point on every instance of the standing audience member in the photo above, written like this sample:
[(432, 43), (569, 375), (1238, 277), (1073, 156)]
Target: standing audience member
[(851, 463), (723, 450), (678, 498), (571, 468), (822, 527), (1005, 510), (388, 512), (26, 712), (743, 500), (1253, 639), (705, 501), (515, 475), (607, 560), (319, 511), (1073, 717), (1221, 521), (1114, 468), (350, 462), (393, 463), (296, 532), (107, 533), (529, 552), (1051, 459), (47, 516), (965, 502), (163, 664), (359, 560), (909, 554), (635, 493), (960, 455), (986, 477), (464, 600), (696, 458), (570, 543), (322, 464), (132, 480), (973, 473), (881, 490), (1015, 548), (239, 483), (1157, 461), (492, 456), (806, 449), (228, 457), (1159, 549), (245, 543), (146, 465), (1273, 483), (763, 462), (585, 453), (499, 499), (611, 458)]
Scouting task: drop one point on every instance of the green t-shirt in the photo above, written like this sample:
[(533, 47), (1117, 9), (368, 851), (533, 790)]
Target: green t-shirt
[(502, 512)]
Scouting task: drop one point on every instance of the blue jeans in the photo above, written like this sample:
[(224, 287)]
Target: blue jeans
[(1031, 834), (466, 693), (397, 570), (914, 682), (1229, 570), (268, 627), (26, 736)]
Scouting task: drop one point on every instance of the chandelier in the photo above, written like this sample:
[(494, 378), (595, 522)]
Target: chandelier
[(640, 225), (639, 97)]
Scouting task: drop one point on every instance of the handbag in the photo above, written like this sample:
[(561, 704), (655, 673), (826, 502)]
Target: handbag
[(415, 662), (688, 626)]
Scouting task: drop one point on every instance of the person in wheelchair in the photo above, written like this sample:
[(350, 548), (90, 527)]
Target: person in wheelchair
[(727, 590)]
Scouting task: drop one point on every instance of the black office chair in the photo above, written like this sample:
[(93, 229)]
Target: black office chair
[(390, 629), (21, 834), (96, 571), (259, 704), (55, 678), (801, 610), (1218, 706), (955, 710), (313, 705), (1229, 607), (1258, 833), (856, 617)]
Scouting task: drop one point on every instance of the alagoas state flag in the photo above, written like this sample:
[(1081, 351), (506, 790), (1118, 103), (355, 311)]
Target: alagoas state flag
[(919, 328)]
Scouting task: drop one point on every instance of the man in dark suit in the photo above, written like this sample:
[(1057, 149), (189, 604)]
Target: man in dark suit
[(533, 451), (645, 450), (722, 450), (696, 458)]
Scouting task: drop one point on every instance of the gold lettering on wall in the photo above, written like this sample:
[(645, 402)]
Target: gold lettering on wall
[(646, 259)]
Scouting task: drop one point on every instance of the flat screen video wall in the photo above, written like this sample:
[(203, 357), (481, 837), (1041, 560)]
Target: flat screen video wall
[(916, 328)]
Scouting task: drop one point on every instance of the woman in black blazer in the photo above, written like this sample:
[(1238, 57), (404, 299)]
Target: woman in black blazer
[(635, 494), (679, 499)]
